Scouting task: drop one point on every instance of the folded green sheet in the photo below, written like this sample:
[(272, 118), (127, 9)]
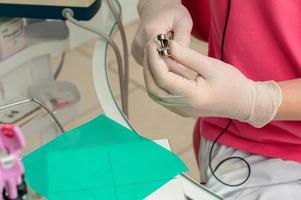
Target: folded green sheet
[(100, 160)]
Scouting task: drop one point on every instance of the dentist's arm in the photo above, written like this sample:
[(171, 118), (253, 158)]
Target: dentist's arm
[(290, 108)]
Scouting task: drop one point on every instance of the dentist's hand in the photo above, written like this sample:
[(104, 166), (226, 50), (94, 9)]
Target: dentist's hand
[(219, 89), (161, 16)]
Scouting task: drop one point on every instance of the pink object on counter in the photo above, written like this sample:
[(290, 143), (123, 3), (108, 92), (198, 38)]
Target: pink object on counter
[(11, 169), (12, 138), (263, 41)]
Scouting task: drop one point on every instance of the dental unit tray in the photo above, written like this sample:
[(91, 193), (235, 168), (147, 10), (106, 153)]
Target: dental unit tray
[(49, 9)]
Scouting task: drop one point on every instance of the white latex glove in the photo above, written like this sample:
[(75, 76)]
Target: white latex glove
[(219, 90), (161, 17)]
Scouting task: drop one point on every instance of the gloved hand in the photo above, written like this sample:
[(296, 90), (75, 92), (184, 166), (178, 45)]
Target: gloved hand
[(161, 16), (219, 89)]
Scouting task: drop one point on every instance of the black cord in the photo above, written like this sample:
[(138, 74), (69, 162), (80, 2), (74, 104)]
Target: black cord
[(228, 124), (225, 30), (226, 159), (60, 67)]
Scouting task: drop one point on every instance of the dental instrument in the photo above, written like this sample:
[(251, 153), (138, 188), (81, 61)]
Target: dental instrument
[(164, 49)]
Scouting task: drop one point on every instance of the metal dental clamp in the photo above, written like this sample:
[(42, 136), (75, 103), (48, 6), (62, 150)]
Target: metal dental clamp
[(164, 50)]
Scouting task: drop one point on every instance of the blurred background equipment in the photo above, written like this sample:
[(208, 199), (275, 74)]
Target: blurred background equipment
[(12, 36), (49, 9)]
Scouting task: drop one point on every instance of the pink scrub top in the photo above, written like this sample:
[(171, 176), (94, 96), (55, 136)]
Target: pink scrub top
[(263, 40)]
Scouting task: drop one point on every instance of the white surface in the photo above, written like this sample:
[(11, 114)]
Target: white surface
[(195, 191), (171, 190)]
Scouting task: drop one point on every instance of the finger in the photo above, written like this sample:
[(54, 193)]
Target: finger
[(197, 62), (151, 87), (180, 69), (173, 66), (165, 79), (153, 30)]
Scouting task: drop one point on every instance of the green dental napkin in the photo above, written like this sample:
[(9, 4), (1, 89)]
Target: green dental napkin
[(100, 160)]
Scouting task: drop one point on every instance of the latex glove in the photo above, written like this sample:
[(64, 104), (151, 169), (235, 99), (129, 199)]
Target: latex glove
[(219, 89), (157, 17)]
